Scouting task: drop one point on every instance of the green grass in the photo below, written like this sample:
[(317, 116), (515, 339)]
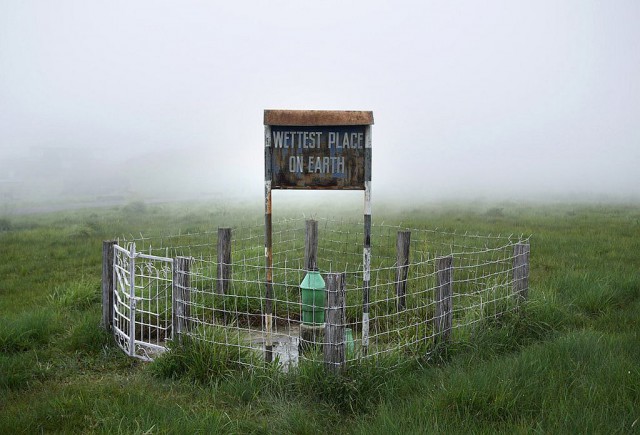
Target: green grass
[(80, 294), (568, 362), (205, 359)]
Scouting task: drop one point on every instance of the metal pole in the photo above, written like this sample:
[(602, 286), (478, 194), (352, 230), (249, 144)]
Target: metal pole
[(268, 249), (366, 251)]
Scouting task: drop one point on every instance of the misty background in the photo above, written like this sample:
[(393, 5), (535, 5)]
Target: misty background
[(109, 101)]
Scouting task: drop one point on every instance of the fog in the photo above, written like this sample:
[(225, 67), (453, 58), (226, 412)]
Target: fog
[(110, 101)]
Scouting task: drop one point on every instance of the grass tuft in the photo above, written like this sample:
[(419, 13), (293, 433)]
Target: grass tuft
[(205, 358), (22, 370), (28, 330), (80, 294), (87, 335), (514, 330), (357, 390)]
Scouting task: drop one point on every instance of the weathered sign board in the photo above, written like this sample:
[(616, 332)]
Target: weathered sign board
[(317, 149), (313, 149)]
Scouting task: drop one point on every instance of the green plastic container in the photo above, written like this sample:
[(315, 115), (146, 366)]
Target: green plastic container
[(313, 297)]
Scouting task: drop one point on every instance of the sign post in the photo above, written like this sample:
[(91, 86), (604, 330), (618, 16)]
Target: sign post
[(319, 150)]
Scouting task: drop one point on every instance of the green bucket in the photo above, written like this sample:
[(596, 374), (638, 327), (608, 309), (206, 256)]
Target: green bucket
[(313, 297)]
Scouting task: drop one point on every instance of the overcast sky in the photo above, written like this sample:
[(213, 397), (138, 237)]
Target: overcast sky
[(469, 98)]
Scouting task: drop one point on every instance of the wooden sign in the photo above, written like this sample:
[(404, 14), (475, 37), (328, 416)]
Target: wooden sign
[(306, 149)]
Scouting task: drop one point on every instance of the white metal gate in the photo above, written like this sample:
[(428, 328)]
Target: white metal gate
[(142, 286)]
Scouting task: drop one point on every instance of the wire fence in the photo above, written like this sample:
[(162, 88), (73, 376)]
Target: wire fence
[(426, 286)]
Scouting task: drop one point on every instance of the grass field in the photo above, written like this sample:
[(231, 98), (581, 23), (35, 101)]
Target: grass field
[(568, 363)]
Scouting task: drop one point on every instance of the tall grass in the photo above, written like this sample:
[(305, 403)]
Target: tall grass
[(29, 330), (203, 356), (80, 294)]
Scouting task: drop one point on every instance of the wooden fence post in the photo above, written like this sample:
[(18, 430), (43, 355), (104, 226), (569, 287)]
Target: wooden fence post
[(334, 347), (402, 254), (224, 267), (311, 245), (444, 299), (224, 260), (181, 297), (107, 283), (310, 335), (521, 271)]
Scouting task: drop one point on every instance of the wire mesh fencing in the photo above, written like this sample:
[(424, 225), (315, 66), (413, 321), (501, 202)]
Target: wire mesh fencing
[(426, 286)]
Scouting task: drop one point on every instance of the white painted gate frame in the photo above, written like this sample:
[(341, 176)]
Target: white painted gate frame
[(128, 292)]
